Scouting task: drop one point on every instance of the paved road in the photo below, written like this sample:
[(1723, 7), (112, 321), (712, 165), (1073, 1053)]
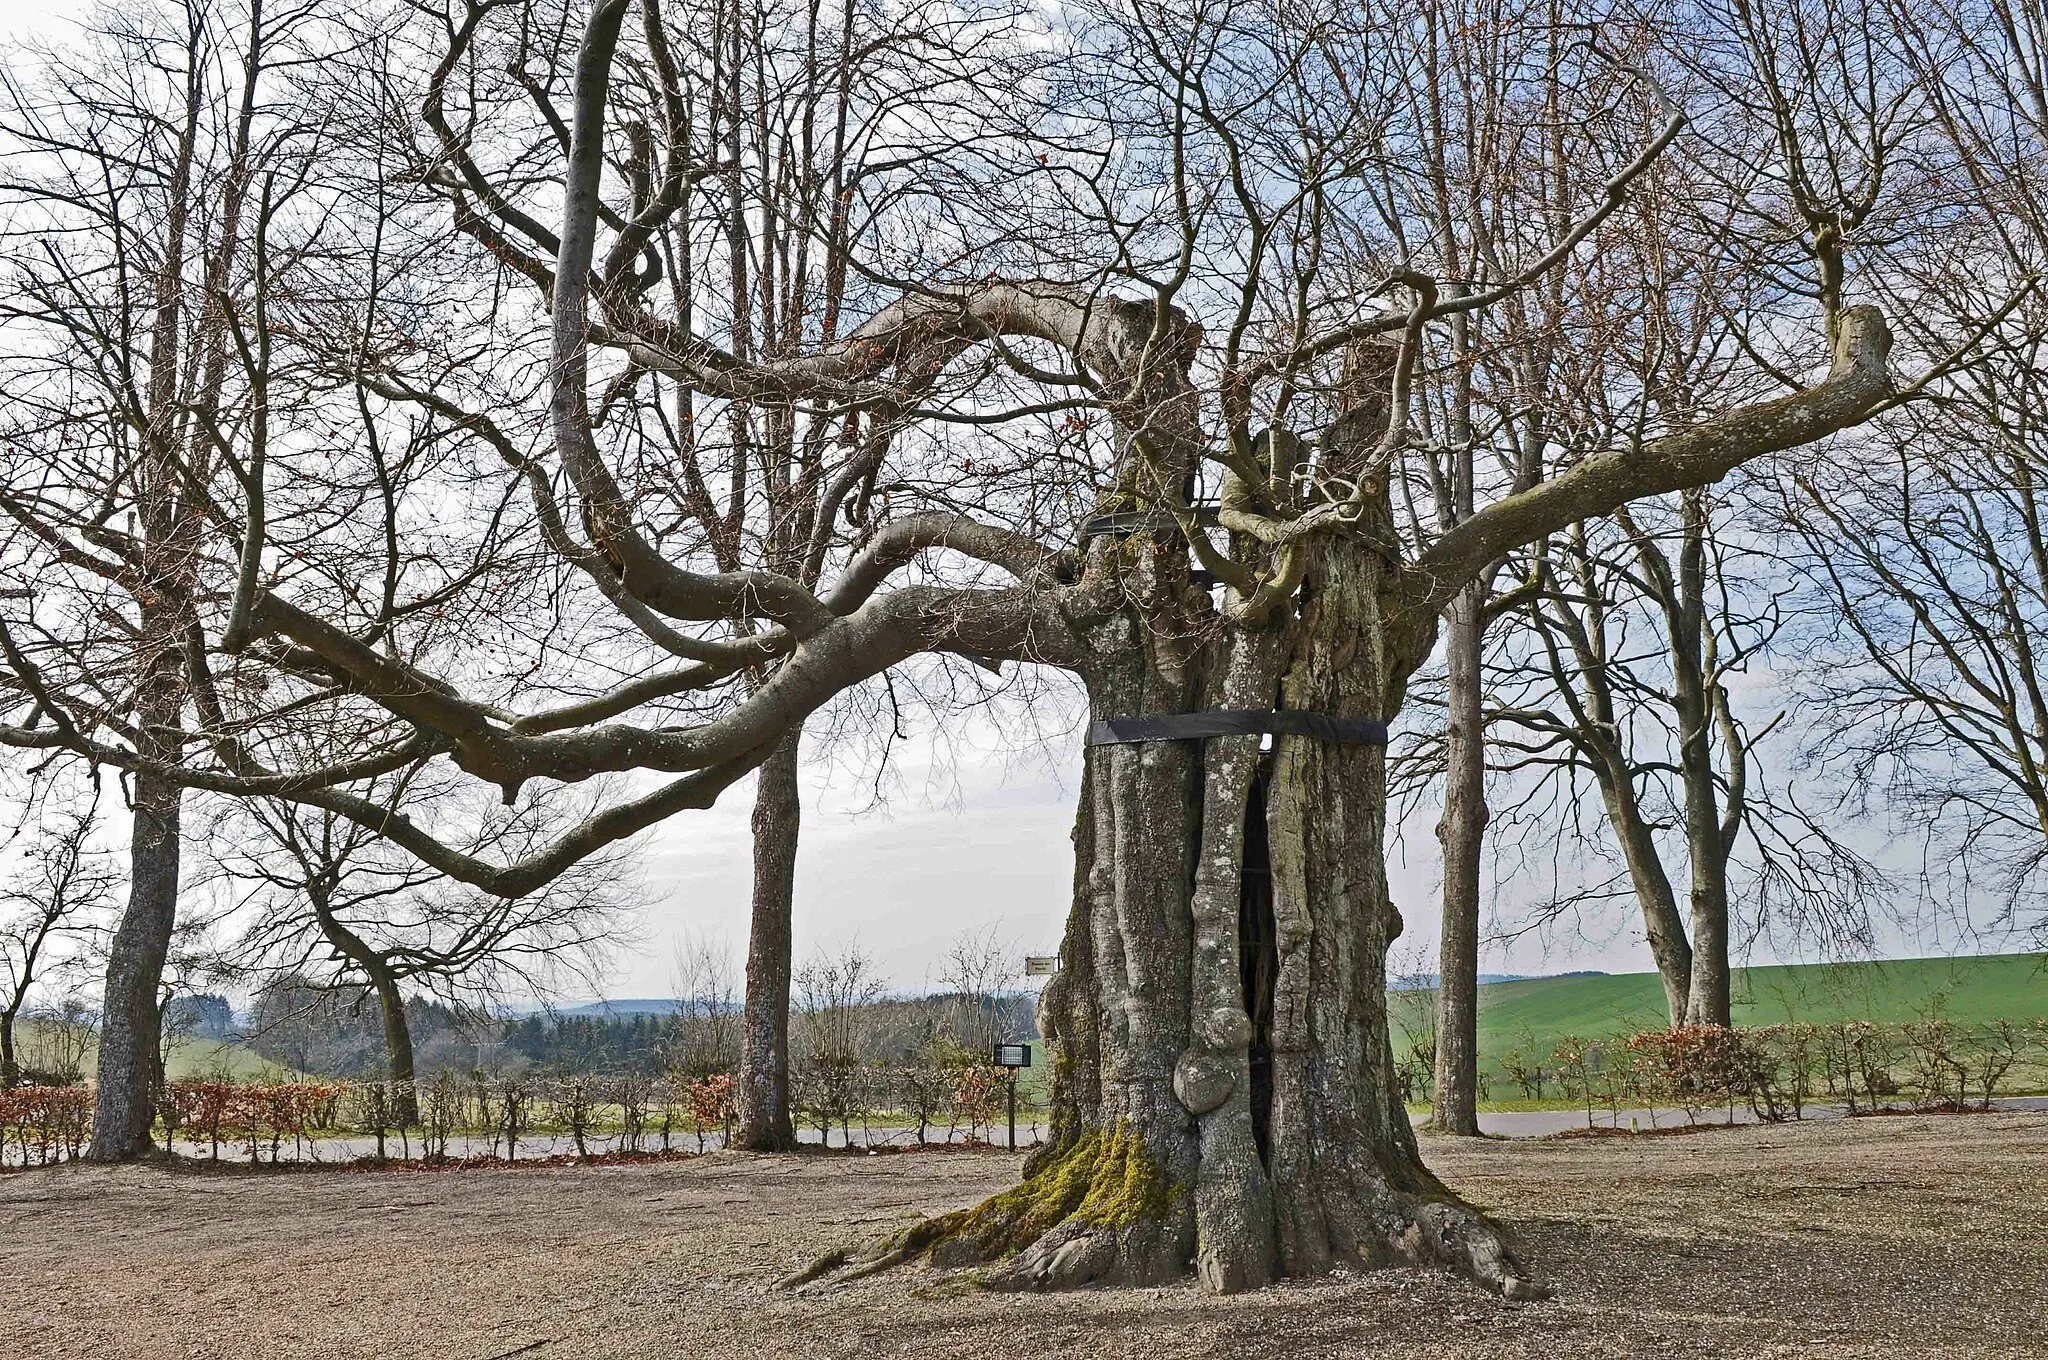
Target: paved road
[(1499, 1124), (1541, 1123)]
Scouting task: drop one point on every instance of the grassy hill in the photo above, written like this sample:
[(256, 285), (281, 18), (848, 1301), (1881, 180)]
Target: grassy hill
[(188, 1059), (191, 1059), (1534, 1014)]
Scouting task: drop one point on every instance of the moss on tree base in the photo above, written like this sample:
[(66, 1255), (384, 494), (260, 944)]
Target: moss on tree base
[(1099, 1211), (1104, 1179), (1101, 1187)]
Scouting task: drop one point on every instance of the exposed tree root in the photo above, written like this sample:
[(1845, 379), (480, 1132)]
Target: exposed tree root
[(1099, 1212), (823, 1266), (1452, 1234)]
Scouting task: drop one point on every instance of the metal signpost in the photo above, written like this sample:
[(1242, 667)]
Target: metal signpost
[(1013, 1058)]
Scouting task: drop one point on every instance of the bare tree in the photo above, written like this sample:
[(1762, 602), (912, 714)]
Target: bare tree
[(1920, 547), (1489, 142), (707, 1019), (1640, 623), (60, 1038), (50, 902), (784, 160), (1817, 165), (334, 908), (1640, 634), (144, 174), (977, 977)]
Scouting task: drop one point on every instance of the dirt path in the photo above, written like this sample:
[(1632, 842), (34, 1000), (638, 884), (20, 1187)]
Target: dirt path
[(1886, 1237)]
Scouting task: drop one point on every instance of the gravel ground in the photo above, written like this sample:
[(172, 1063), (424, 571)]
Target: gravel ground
[(1878, 1237)]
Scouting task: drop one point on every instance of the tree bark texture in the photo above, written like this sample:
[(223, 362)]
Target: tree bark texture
[(130, 1063), (1662, 924), (762, 1095), (1707, 842)]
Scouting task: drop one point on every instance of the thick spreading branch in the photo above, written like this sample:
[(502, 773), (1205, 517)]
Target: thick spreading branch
[(1856, 384)]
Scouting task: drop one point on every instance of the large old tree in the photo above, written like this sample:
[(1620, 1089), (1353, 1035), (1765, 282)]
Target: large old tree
[(1170, 259)]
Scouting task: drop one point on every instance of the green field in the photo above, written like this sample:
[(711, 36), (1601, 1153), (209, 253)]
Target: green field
[(194, 1059), (189, 1059), (1534, 1015)]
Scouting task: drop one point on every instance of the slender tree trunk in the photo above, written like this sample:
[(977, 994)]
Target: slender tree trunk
[(763, 1088), (1708, 1001), (398, 1061), (130, 1057), (1462, 831), (1598, 737), (130, 1065), (1662, 924), (10, 1067)]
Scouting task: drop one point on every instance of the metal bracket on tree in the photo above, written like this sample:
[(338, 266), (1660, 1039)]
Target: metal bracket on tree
[(1124, 523), (1237, 722)]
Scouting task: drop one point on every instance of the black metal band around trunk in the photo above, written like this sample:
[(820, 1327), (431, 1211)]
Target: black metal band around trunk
[(1236, 722)]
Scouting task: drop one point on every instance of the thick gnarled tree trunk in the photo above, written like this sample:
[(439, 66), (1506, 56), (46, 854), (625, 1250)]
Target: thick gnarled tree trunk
[(1224, 1091), (1350, 1185)]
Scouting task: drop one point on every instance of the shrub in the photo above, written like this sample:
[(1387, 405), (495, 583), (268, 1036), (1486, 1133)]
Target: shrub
[(1574, 1073), (275, 1109), (514, 1106), (574, 1101), (1780, 1069), (439, 1114), (46, 1123), (830, 1089), (630, 1094), (924, 1091), (708, 1104), (1694, 1066), (1523, 1073), (978, 1090), (203, 1110)]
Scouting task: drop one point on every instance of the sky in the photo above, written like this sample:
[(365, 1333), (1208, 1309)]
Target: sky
[(20, 18), (953, 851)]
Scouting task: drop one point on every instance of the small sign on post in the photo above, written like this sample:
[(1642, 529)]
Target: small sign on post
[(1041, 965), (1012, 1057)]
